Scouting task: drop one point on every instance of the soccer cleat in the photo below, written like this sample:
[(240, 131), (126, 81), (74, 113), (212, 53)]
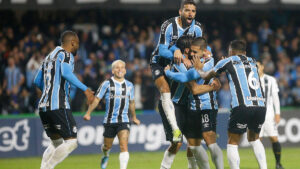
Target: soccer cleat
[(104, 162), (177, 136), (279, 166)]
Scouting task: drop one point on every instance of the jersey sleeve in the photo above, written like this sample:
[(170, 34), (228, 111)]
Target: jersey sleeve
[(67, 72), (165, 39), (221, 65), (183, 77), (39, 78), (276, 101), (131, 96), (198, 29), (102, 89)]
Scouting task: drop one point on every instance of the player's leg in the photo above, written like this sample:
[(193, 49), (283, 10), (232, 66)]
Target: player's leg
[(110, 132), (170, 153), (194, 136), (56, 139), (192, 163), (65, 125), (236, 127), (123, 135), (254, 126), (209, 119), (167, 104), (276, 150)]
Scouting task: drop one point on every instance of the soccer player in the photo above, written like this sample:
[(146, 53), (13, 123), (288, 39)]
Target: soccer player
[(119, 98), (171, 30), (54, 78), (248, 102), (203, 105), (180, 100), (269, 128)]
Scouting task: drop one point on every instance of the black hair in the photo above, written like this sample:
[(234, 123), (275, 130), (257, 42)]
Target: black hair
[(238, 45), (65, 36), (186, 2), (201, 42), (184, 42)]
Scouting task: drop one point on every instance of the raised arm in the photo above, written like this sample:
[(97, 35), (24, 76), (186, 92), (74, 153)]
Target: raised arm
[(183, 77)]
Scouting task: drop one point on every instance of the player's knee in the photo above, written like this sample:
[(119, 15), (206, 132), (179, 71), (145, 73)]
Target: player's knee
[(123, 148), (274, 139), (162, 85), (107, 146), (209, 137), (72, 144)]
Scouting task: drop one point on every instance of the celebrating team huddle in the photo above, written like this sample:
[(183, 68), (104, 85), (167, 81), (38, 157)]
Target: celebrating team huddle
[(186, 75)]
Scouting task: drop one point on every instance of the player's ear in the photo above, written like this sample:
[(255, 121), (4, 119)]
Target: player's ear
[(179, 12)]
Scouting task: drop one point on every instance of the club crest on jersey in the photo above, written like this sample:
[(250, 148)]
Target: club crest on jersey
[(157, 72), (241, 126), (74, 129)]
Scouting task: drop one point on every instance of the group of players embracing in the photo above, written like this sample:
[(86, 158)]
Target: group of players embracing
[(185, 73)]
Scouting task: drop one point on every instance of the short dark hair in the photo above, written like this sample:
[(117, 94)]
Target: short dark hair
[(184, 42), (186, 2), (65, 36), (201, 42), (238, 45)]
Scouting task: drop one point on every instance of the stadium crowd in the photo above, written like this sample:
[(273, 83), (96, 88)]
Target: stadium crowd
[(26, 37)]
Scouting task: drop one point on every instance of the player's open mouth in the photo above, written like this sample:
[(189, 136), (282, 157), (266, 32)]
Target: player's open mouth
[(189, 19)]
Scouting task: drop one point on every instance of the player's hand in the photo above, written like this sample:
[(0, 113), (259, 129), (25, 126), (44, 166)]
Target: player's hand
[(197, 63), (87, 117), (207, 54), (178, 56), (136, 121), (216, 84), (89, 95), (277, 118), (187, 62), (167, 67)]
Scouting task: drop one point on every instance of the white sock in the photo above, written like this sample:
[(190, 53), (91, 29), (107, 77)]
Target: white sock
[(167, 160), (169, 109), (61, 152), (259, 152), (233, 156), (200, 156), (50, 150), (216, 155), (192, 164), (123, 157), (105, 152)]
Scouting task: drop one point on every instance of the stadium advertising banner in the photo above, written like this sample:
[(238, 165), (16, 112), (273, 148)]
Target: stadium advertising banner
[(149, 4), (21, 137)]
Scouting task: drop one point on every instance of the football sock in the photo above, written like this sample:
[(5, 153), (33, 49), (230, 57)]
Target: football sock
[(105, 152), (259, 152), (192, 164), (277, 151), (169, 109), (50, 150), (61, 152), (123, 157), (216, 155), (167, 160), (233, 156), (200, 156)]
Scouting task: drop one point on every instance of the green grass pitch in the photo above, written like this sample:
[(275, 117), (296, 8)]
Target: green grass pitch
[(151, 160)]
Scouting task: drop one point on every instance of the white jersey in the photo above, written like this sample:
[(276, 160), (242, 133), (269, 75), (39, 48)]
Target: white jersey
[(270, 87)]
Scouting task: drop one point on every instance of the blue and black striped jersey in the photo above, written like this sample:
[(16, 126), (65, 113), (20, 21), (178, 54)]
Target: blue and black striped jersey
[(56, 89), (117, 96), (244, 81)]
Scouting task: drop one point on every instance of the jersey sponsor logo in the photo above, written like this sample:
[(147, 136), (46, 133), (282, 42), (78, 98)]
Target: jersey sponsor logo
[(16, 137), (255, 98), (58, 127), (157, 72), (117, 96), (44, 104)]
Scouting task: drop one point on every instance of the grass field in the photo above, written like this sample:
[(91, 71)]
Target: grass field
[(151, 160)]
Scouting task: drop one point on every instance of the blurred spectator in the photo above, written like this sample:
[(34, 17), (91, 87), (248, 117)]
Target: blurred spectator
[(296, 92), (224, 96), (13, 79)]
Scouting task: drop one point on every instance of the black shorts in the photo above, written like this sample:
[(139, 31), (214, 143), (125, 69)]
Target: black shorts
[(194, 125), (111, 130), (209, 120), (157, 70), (59, 121), (243, 117), (180, 113)]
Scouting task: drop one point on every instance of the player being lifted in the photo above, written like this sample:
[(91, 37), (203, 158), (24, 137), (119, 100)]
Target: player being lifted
[(248, 102), (201, 106), (54, 78), (180, 95), (269, 128), (119, 98), (171, 30)]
